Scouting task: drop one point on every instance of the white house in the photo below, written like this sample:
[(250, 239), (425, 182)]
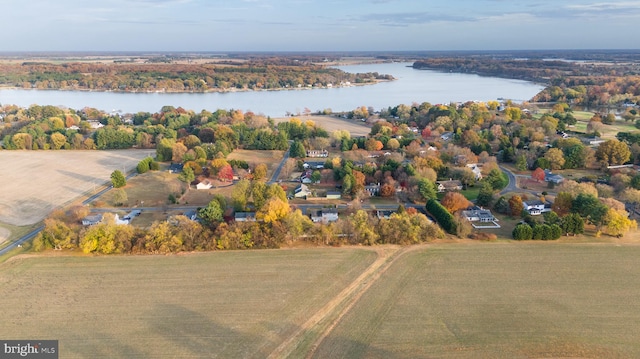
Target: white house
[(324, 215), (204, 185), (317, 153), (373, 189), (478, 214), (535, 207), (475, 168), (91, 220), (302, 191)]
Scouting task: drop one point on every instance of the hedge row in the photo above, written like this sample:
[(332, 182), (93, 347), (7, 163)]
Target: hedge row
[(441, 215)]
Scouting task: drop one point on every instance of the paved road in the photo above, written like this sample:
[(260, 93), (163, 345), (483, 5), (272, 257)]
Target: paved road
[(513, 184), (21, 240), (276, 173)]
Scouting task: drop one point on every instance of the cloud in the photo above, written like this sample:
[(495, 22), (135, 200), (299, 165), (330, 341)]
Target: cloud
[(412, 18)]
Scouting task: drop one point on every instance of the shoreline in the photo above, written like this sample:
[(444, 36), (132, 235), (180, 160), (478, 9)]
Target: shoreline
[(230, 90)]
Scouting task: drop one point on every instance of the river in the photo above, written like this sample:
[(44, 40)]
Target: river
[(410, 86)]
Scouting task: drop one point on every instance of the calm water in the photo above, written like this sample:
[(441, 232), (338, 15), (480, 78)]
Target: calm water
[(411, 86)]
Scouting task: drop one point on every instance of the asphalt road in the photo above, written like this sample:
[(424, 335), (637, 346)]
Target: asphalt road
[(21, 240), (276, 173), (512, 186)]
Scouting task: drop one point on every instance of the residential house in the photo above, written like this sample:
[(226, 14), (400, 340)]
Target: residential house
[(553, 178), (384, 214), (373, 189), (478, 214), (305, 177), (593, 141), (191, 214), (317, 153), (205, 184), (450, 185), (315, 165), (475, 168), (302, 191), (324, 215), (92, 219), (245, 216), (535, 207), (176, 168), (446, 136), (334, 195), (121, 221)]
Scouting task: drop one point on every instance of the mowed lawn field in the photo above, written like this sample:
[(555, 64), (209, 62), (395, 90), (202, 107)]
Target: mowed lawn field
[(332, 123), (235, 304), (498, 300), (35, 182)]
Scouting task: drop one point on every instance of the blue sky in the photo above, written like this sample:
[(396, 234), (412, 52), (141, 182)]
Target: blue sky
[(317, 25)]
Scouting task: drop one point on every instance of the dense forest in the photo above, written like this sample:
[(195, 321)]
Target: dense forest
[(171, 77), (583, 83)]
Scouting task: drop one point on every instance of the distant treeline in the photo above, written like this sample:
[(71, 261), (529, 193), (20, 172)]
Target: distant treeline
[(590, 84), (132, 77)]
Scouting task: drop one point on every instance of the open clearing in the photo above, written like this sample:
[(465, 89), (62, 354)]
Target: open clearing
[(35, 182), (236, 304), (465, 300), (332, 123), (499, 300)]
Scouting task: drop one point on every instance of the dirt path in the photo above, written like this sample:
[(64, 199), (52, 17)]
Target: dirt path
[(322, 322)]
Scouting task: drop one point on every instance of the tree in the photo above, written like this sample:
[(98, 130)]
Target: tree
[(387, 190), (316, 176), (225, 173), (618, 222), (260, 172), (239, 194), (427, 189), (274, 210), (212, 213), (613, 152), (119, 197), (521, 162), (143, 165), (297, 150), (393, 144), (485, 196), (515, 206), (589, 207), (555, 157), (117, 179), (454, 201), (58, 140), (522, 231), (538, 174), (572, 224), (187, 175), (498, 179), (563, 203), (177, 152), (373, 145)]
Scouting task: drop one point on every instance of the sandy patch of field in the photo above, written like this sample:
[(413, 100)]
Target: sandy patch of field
[(332, 123), (35, 182)]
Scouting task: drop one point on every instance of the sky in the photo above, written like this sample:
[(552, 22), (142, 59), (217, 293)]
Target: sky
[(317, 25)]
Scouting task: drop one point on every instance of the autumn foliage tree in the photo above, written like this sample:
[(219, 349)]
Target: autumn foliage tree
[(454, 201), (515, 206), (613, 152), (538, 174)]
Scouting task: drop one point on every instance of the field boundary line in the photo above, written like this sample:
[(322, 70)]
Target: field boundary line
[(339, 305)]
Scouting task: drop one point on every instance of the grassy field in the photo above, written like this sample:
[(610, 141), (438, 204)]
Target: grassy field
[(149, 189), (35, 182), (270, 158), (499, 300), (240, 304), (332, 123)]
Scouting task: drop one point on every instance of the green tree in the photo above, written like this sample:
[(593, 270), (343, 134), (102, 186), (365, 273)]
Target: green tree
[(522, 231), (521, 163), (485, 196), (427, 189), (239, 194), (117, 179), (589, 207), (297, 150), (119, 197), (212, 213), (187, 176), (572, 224), (497, 179)]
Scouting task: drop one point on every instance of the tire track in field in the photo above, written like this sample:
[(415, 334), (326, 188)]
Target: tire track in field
[(324, 320)]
